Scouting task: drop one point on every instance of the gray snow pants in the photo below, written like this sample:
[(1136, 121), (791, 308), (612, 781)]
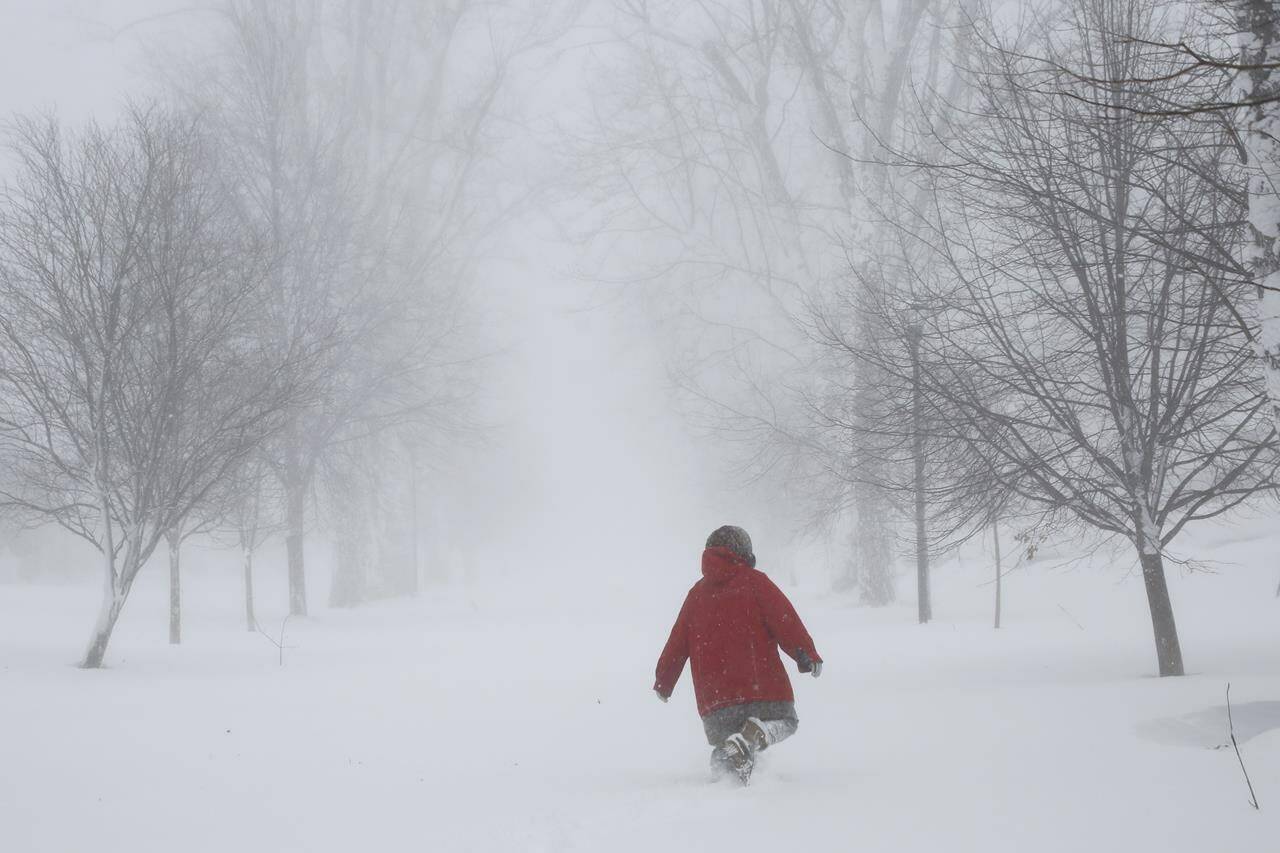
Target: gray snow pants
[(780, 720)]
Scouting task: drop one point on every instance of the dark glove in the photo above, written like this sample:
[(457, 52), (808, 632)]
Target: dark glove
[(808, 664)]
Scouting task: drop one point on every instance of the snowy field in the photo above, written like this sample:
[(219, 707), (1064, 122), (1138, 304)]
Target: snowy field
[(519, 718)]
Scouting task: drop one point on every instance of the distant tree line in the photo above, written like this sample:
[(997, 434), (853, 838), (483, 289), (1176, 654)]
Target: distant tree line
[(931, 268), (1019, 265), (242, 306)]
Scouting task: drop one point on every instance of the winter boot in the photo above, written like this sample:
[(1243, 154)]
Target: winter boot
[(741, 755), (721, 766), (756, 733)]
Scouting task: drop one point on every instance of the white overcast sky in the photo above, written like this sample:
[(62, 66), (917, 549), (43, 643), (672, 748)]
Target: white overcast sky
[(74, 56)]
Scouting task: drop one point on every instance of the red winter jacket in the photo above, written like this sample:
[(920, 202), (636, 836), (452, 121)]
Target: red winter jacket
[(729, 629)]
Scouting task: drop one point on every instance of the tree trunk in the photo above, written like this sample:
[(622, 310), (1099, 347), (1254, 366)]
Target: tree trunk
[(112, 597), (295, 540), (114, 593), (995, 535), (1259, 21), (347, 589), (112, 603), (872, 560), (249, 620), (846, 574), (175, 589), (925, 605), (1168, 651), (874, 548), (415, 547)]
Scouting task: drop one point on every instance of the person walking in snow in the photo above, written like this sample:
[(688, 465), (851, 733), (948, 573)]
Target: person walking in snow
[(730, 628)]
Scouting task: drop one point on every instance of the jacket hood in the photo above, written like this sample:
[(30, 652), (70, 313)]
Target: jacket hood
[(720, 565)]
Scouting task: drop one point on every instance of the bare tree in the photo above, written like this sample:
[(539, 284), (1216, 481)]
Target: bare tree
[(125, 288), (1091, 336), (720, 155), (1258, 71), (876, 415), (1235, 43), (237, 502), (364, 134), (250, 511)]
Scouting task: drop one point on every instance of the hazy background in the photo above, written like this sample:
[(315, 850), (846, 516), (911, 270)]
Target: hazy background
[(505, 703), (584, 470)]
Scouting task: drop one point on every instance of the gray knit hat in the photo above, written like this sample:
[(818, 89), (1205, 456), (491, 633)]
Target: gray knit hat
[(736, 540)]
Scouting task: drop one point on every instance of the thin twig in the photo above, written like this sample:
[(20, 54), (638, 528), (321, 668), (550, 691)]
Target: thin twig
[(279, 644), (1069, 616), (1253, 798)]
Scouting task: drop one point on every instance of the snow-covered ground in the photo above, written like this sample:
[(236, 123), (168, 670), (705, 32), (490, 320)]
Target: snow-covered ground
[(518, 717)]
